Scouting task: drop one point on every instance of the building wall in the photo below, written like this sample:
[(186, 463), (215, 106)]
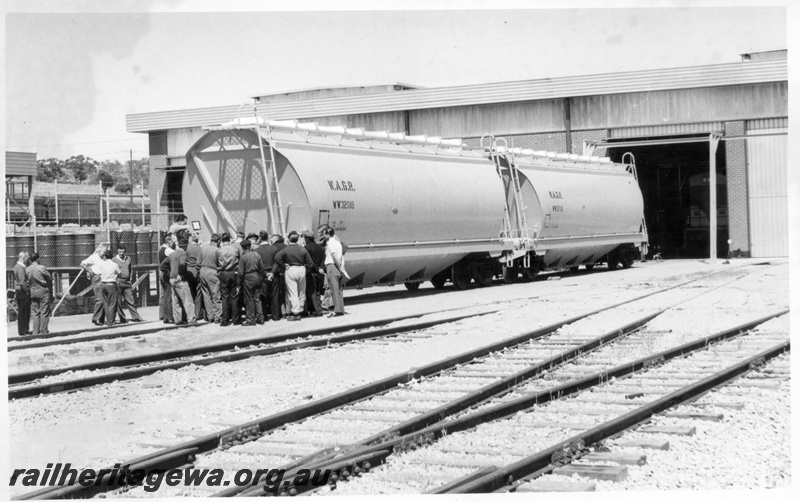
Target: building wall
[(389, 121), (499, 119), (578, 137), (729, 103), (667, 130), (767, 180), (736, 172), (552, 141), (20, 164), (179, 141)]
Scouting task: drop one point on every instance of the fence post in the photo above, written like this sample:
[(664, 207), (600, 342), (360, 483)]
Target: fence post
[(100, 223), (158, 214), (56, 197), (108, 217)]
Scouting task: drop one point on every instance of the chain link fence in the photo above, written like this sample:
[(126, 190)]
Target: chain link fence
[(72, 289)]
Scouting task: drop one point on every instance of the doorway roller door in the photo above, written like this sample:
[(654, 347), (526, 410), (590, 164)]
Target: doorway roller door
[(767, 167)]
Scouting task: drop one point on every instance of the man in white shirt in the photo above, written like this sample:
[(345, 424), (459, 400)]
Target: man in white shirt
[(109, 271), (181, 223), (90, 266), (334, 269)]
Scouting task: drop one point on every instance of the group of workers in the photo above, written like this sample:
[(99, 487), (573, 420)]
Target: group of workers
[(263, 275), (33, 288), (110, 278)]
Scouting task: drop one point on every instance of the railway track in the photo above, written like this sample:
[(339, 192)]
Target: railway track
[(554, 425), (617, 458), (564, 430), (131, 330), (408, 406), (98, 372), (30, 384), (452, 455)]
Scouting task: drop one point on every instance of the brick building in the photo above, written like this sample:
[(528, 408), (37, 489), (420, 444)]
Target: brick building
[(669, 120)]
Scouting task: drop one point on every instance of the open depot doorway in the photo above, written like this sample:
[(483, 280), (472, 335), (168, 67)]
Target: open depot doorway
[(674, 180)]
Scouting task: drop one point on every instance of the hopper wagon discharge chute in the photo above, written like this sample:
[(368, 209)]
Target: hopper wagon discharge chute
[(410, 208)]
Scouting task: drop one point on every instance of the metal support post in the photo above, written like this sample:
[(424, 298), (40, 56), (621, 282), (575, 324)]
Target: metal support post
[(158, 214), (108, 218), (100, 223), (713, 142), (32, 210), (56, 197)]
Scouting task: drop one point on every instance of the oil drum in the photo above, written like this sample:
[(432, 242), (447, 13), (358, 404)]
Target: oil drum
[(84, 246), (65, 250), (144, 247), (46, 246)]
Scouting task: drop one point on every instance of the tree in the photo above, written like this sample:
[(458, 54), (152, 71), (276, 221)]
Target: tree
[(81, 167), (115, 169), (123, 187), (49, 170), (141, 171), (106, 180)]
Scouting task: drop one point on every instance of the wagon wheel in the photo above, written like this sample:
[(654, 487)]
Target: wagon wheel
[(411, 286), (461, 277), (485, 278), (531, 272), (510, 274), (612, 262), (480, 274), (438, 280)]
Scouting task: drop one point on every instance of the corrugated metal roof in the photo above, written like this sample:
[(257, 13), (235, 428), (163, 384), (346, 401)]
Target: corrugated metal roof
[(740, 73), (20, 164)]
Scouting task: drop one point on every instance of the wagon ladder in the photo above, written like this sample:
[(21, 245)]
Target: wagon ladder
[(278, 225), (520, 236)]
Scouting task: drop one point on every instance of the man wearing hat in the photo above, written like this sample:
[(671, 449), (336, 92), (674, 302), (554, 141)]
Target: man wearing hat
[(253, 238), (315, 279)]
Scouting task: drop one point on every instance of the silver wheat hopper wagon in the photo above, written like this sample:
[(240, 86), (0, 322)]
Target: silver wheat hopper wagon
[(413, 208)]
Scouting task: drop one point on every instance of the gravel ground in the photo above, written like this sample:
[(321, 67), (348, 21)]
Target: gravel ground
[(84, 427), (764, 463), (748, 449)]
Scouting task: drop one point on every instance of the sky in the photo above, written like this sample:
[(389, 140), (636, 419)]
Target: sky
[(74, 69)]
